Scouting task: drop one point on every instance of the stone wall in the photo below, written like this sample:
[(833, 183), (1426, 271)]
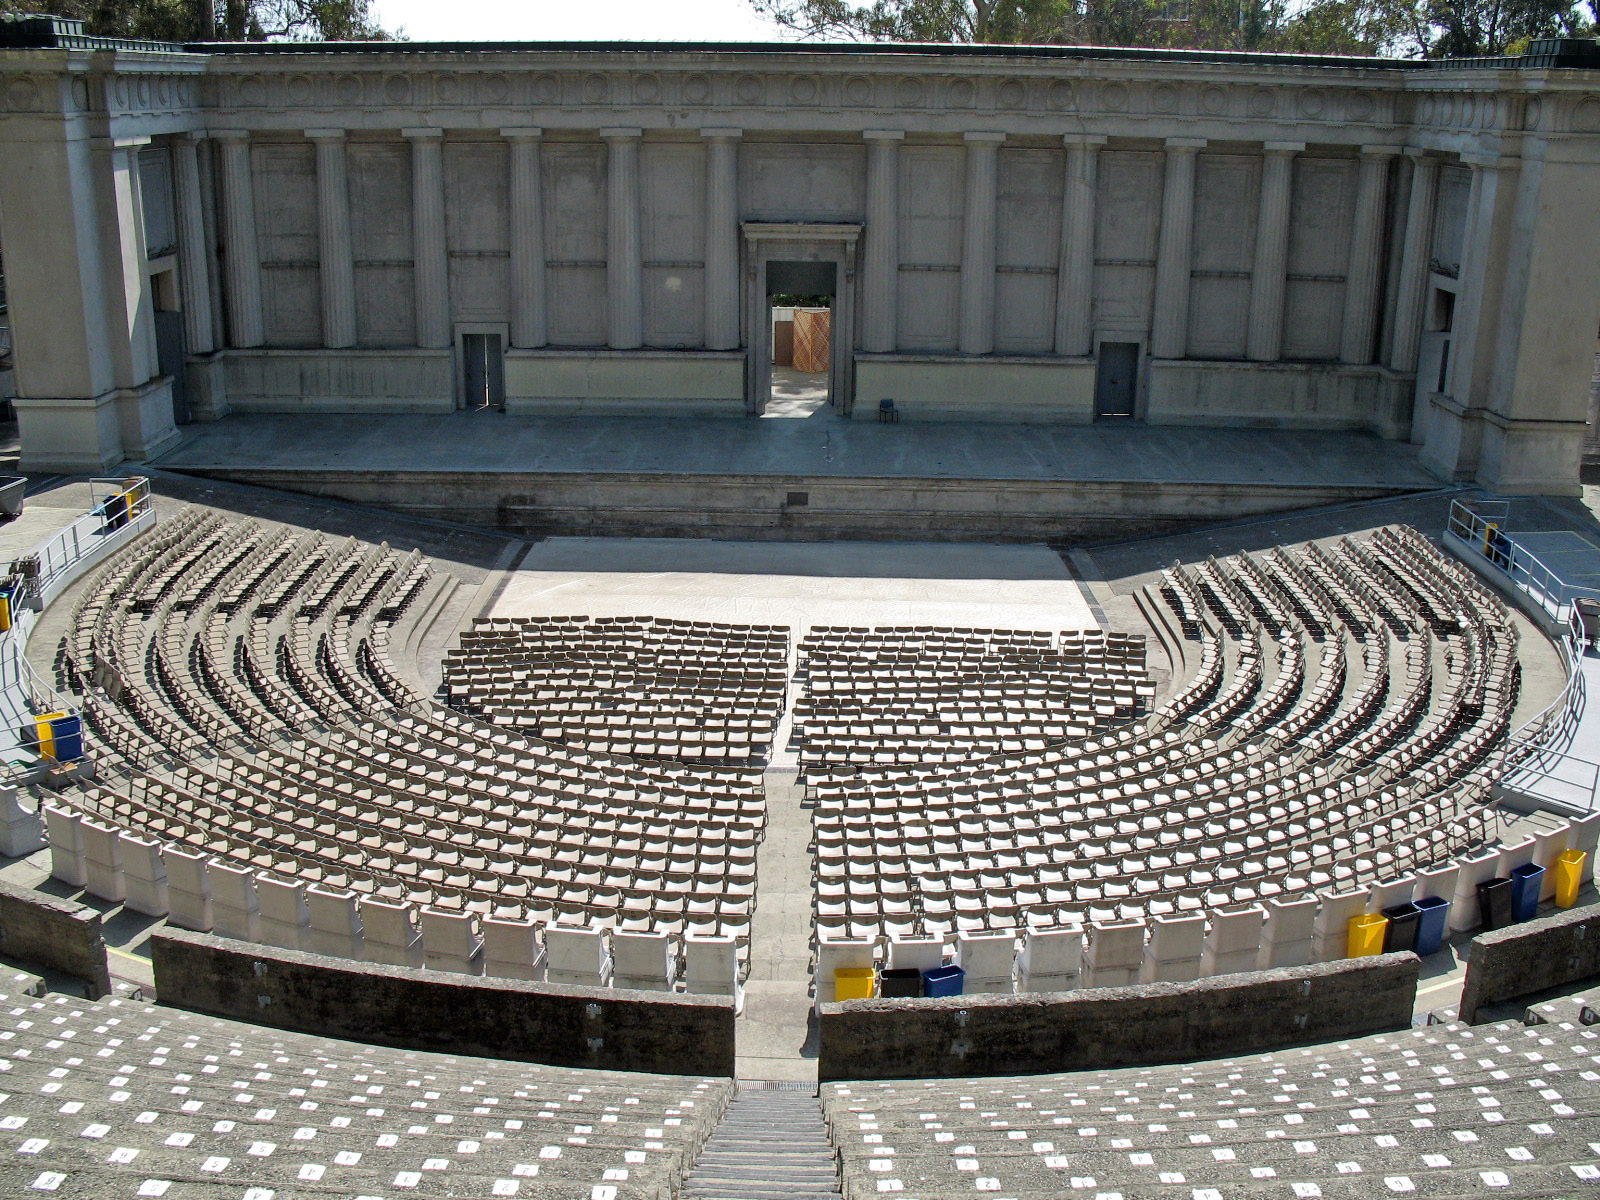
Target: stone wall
[(599, 1028), (1146, 1025), (1531, 957), (61, 935)]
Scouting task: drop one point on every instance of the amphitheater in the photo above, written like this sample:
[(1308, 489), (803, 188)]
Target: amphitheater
[(492, 728)]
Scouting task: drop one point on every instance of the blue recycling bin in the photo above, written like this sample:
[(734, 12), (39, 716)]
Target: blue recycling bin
[(944, 981), (1527, 881), (1432, 924)]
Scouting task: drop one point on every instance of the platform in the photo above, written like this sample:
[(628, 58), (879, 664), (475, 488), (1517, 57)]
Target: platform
[(809, 479)]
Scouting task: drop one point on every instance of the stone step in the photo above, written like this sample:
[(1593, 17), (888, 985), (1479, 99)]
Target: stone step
[(769, 1145)]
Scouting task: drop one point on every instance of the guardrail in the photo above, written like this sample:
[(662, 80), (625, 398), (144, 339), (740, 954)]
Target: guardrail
[(1481, 525)]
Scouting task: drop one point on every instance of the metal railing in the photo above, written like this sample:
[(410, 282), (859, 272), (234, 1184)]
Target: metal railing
[(1481, 524)]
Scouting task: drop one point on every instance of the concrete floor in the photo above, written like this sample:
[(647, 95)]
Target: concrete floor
[(798, 584), (492, 441), (798, 394)]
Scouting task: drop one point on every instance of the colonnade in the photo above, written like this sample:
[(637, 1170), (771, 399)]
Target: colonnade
[(624, 264)]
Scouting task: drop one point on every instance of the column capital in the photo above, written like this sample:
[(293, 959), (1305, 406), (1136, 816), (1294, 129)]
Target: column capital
[(1379, 151), (1421, 154), (621, 133), (721, 134), (421, 134), (229, 135), (884, 135), (1185, 145), (983, 139), (1487, 162), (522, 133), (1281, 147), (1089, 141), (194, 135), (326, 135)]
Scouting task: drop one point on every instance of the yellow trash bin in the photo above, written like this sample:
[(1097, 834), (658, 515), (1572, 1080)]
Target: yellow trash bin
[(1569, 874), (1365, 935), (853, 983)]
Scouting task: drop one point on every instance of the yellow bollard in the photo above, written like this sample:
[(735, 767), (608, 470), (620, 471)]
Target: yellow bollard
[(853, 983), (1569, 874), (1365, 936)]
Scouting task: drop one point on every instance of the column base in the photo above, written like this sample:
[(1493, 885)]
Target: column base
[(1451, 437), (145, 415), (78, 435), (205, 379), (1531, 458)]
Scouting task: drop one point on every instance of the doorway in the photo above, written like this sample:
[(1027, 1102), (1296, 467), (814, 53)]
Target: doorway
[(1116, 381), (800, 301), (171, 354), (483, 371)]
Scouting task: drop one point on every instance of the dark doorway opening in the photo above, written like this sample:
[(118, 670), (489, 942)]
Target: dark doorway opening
[(1116, 381), (800, 307), (483, 371)]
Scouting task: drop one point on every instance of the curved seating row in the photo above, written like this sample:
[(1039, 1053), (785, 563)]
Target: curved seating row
[(1445, 1110), (1341, 723), (119, 1098)]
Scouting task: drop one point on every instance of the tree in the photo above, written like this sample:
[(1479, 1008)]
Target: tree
[(219, 20), (1406, 28)]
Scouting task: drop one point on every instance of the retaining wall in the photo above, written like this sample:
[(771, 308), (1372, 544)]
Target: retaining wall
[(1146, 1025), (62, 935), (599, 1028), (1531, 957)]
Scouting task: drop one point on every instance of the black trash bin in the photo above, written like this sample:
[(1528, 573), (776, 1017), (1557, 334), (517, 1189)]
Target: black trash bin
[(1494, 903), (1401, 932), (899, 983)]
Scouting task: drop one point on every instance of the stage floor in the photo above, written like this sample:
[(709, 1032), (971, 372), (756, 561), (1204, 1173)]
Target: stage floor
[(818, 446), (798, 584)]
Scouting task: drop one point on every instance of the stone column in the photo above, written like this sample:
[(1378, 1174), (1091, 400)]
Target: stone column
[(241, 260), (1411, 295), (335, 254), (1268, 275), (880, 278), (126, 290), (1075, 278), (1366, 236), (624, 266), (194, 273), (430, 258), (722, 238), (1169, 324), (1476, 249), (977, 244), (529, 327)]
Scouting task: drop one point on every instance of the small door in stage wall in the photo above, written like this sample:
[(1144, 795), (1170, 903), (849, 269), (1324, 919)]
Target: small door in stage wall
[(483, 371), (1116, 380)]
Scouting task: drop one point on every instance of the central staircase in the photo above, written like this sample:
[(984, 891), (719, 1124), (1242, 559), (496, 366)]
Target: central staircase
[(769, 1145)]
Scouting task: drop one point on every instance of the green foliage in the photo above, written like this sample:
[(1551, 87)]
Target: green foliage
[(1407, 28), (218, 20)]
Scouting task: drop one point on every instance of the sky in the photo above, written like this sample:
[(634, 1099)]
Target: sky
[(575, 20)]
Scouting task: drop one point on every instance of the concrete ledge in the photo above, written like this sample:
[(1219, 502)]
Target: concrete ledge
[(599, 1028), (62, 935), (1532, 957), (1116, 1027)]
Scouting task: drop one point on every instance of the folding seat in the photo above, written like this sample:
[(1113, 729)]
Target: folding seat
[(989, 961), (21, 832), (577, 956), (235, 908), (144, 876), (1233, 941)]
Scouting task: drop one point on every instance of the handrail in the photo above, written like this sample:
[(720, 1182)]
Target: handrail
[(1480, 524)]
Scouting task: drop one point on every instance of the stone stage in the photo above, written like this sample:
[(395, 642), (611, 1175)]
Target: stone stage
[(806, 479)]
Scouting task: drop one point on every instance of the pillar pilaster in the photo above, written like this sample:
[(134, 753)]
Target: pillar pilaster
[(880, 279), (1268, 274), (1075, 278), (335, 253), (194, 282), (1409, 296), (1366, 236), (624, 265), (241, 261), (430, 256), (722, 238), (1169, 325), (978, 242)]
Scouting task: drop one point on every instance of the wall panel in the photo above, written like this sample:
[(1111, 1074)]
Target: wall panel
[(380, 228), (1227, 199), (285, 184), (1320, 229), (799, 181), (1128, 224), (477, 201), (1028, 244), (575, 242)]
